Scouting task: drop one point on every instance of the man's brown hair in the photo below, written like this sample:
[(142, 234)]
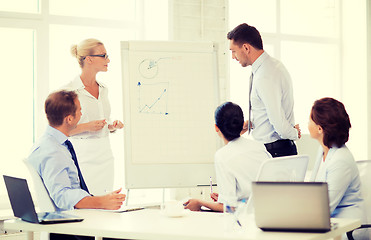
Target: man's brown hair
[(59, 105)]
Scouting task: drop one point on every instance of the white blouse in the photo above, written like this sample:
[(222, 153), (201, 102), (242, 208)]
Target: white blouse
[(91, 108), (237, 165)]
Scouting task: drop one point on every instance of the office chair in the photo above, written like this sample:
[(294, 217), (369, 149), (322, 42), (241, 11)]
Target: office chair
[(281, 169), (284, 169), (45, 203), (364, 168), (308, 146)]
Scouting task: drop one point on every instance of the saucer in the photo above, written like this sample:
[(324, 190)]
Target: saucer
[(175, 214)]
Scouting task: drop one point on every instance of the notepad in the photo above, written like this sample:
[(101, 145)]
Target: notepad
[(123, 209)]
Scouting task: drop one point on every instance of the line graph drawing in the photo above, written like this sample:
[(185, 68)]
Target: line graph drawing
[(153, 97)]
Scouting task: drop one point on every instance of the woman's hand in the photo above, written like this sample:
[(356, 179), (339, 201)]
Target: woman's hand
[(193, 205), (214, 196), (115, 125), (94, 126)]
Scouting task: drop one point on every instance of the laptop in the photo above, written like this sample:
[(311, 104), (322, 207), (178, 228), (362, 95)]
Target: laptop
[(24, 208), (292, 206)]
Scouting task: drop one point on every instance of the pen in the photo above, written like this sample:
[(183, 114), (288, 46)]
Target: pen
[(232, 211), (238, 222), (211, 185), (133, 209)]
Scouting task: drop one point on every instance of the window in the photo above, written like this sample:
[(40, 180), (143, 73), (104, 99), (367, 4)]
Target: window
[(16, 98), (112, 9), (313, 40), (36, 37), (21, 6), (36, 60)]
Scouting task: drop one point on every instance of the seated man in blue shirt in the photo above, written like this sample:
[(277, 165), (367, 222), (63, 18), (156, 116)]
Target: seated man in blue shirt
[(54, 159)]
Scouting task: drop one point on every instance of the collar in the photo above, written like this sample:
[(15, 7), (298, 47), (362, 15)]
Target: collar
[(331, 152), (233, 141), (58, 135), (77, 83), (258, 62)]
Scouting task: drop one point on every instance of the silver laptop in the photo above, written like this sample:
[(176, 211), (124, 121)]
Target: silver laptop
[(23, 206), (292, 206)]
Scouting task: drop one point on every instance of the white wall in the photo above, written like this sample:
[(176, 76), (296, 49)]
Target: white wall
[(208, 20), (203, 20), (354, 83), (368, 17)]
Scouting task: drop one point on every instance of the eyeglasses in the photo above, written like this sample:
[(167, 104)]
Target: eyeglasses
[(105, 56)]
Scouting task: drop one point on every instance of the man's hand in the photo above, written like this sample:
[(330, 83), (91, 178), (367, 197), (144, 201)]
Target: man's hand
[(245, 127), (299, 131), (113, 200)]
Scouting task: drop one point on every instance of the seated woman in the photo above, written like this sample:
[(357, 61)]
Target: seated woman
[(236, 164), (329, 123)]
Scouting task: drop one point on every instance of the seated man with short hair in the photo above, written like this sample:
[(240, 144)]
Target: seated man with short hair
[(55, 160)]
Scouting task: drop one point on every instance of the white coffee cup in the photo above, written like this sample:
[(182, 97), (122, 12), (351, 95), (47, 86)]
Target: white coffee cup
[(173, 208)]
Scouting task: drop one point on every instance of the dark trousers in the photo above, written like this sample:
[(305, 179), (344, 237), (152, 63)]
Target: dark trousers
[(280, 148), (56, 236)]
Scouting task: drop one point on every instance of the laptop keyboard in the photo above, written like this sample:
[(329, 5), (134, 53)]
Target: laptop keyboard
[(50, 215)]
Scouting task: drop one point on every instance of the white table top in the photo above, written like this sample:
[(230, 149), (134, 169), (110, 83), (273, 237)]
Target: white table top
[(152, 224)]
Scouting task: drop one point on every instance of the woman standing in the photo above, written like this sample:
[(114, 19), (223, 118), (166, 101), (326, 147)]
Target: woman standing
[(91, 136)]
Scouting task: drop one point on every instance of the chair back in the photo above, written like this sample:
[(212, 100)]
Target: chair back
[(281, 169), (44, 201), (284, 169), (308, 146), (364, 168), (363, 232)]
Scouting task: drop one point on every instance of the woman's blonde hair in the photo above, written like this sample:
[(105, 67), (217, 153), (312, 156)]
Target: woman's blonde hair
[(84, 49)]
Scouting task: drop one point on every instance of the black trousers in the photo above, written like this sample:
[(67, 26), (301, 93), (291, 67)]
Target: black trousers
[(280, 148), (56, 236)]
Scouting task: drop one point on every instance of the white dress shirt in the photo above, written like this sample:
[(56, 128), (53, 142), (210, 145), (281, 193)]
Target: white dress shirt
[(236, 166), (272, 101)]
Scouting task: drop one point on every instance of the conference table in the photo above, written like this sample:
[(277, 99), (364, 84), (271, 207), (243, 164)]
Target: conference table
[(152, 224)]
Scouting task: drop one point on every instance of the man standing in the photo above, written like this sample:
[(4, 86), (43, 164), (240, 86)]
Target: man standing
[(271, 101), (55, 160)]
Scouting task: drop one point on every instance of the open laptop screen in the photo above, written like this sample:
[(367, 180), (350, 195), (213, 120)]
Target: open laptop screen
[(20, 199), (23, 206)]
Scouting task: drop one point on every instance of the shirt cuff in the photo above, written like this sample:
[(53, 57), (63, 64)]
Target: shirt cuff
[(296, 134), (227, 200), (70, 198)]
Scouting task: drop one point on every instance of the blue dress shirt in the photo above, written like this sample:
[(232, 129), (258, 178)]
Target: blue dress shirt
[(344, 185), (53, 161), (272, 101)]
